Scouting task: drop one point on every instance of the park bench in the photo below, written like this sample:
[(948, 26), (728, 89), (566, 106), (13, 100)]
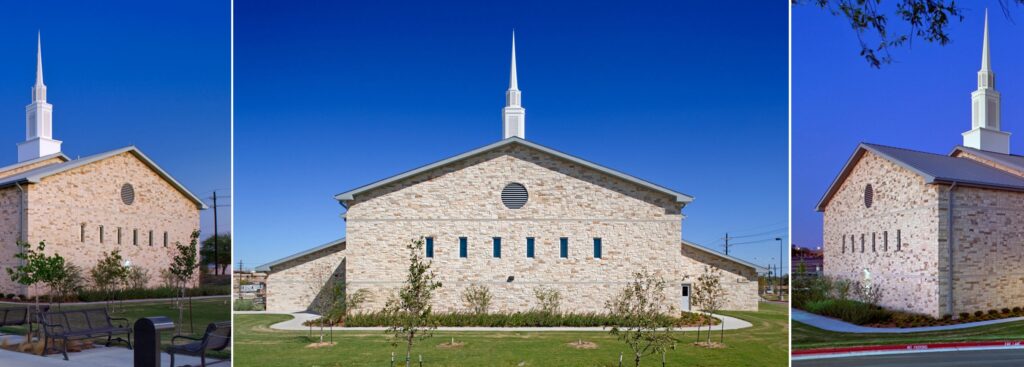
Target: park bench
[(19, 315), (81, 325), (217, 337)]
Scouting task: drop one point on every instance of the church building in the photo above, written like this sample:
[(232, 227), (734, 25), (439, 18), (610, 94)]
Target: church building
[(85, 207), (936, 234), (514, 216)]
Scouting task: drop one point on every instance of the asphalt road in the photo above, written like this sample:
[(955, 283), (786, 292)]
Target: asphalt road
[(989, 358)]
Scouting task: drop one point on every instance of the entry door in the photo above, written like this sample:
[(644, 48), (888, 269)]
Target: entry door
[(686, 297)]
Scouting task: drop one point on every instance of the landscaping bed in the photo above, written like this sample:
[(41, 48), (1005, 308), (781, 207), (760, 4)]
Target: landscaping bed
[(91, 295), (518, 319)]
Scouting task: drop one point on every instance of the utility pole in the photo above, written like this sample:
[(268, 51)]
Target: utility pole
[(782, 252), (216, 247), (726, 243)]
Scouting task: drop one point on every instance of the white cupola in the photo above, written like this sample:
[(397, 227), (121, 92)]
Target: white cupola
[(513, 116), (985, 133), (38, 118)]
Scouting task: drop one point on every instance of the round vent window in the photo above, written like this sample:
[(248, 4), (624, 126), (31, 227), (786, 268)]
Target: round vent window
[(514, 196), (127, 194), (869, 196)]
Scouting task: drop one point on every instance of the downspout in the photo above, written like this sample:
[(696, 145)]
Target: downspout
[(949, 241), (22, 233)]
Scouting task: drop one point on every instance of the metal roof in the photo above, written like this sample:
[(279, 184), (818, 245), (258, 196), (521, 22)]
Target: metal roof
[(1012, 160), (721, 255), (266, 267), (934, 168), (36, 160), (349, 195), (33, 176)]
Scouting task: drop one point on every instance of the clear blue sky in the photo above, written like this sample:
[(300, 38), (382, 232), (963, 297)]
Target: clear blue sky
[(334, 95), (922, 101), (126, 72)]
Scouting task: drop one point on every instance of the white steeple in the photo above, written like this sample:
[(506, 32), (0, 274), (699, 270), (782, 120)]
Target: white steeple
[(513, 116), (985, 119), (39, 118)]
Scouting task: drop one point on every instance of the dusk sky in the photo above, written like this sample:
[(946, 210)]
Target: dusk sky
[(122, 73), (330, 97), (921, 101)]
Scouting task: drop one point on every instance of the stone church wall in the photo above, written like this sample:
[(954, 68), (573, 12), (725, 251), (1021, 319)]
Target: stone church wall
[(905, 214)]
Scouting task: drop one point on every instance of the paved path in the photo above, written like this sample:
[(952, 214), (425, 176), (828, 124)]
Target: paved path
[(102, 302), (731, 323), (988, 358), (114, 356), (830, 324)]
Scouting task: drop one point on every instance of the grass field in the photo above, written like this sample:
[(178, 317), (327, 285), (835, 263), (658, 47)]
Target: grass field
[(808, 337), (764, 344), (203, 313)]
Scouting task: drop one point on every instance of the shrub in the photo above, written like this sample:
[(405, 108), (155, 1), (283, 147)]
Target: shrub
[(10, 295), (1005, 310), (477, 298), (548, 299), (70, 281), (1016, 309), (94, 295), (993, 312), (137, 277), (850, 311), (978, 313), (520, 319)]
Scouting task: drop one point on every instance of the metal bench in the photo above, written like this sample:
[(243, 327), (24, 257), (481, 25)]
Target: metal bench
[(217, 337), (20, 315), (81, 325)]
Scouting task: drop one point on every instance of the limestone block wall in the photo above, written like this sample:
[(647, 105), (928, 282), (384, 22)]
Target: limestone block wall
[(988, 249), (294, 285), (896, 239), (10, 230), (638, 228), (90, 195), (739, 281)]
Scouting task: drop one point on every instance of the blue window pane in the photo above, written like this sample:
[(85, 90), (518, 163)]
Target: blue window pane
[(529, 247), (563, 247), (462, 246), (497, 246), (597, 248), (430, 246)]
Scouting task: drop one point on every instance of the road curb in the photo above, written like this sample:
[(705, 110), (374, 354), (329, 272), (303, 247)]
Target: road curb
[(904, 348)]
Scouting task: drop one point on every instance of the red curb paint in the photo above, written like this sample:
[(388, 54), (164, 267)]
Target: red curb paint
[(898, 347)]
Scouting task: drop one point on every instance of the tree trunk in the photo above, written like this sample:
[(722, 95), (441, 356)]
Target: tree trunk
[(637, 360)]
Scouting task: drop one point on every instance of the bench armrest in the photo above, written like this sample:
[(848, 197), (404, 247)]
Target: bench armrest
[(112, 319), (176, 337)]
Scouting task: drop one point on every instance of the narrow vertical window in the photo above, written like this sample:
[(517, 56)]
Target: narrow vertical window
[(151, 237), (844, 243), (135, 237), (463, 244), (862, 243), (563, 247), (165, 238), (899, 241), (82, 233), (101, 234), (597, 248), (885, 241), (529, 247), (430, 246), (118, 235), (497, 247), (873, 249)]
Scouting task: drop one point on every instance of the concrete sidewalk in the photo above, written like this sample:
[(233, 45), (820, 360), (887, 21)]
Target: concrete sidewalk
[(830, 324), (295, 324), (100, 356)]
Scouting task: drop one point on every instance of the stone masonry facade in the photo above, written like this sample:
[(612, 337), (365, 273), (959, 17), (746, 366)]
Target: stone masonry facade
[(80, 215), (901, 240), (638, 228)]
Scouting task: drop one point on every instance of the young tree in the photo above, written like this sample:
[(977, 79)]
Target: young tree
[(640, 305), (410, 308), (708, 294), (108, 273), (183, 268), (477, 298), (35, 268), (548, 299), (348, 301)]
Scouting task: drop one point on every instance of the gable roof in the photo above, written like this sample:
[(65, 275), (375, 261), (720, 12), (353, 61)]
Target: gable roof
[(933, 168), (350, 195), (1011, 160), (266, 267), (35, 160), (721, 255), (33, 176)]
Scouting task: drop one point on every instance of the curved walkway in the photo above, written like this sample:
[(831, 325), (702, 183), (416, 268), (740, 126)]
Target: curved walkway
[(830, 324), (295, 324)]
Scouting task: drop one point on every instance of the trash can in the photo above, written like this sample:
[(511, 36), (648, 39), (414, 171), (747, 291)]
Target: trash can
[(147, 340)]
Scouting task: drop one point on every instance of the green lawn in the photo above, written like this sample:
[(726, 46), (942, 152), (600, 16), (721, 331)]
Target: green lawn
[(764, 344), (807, 337), (203, 313)]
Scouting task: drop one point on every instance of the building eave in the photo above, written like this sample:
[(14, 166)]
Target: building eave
[(723, 256), (266, 268)]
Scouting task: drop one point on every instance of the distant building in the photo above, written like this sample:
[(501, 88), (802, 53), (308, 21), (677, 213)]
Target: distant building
[(513, 216), (82, 208), (938, 234), (810, 260)]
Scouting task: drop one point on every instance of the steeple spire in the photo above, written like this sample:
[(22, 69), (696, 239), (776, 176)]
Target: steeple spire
[(985, 105), (38, 118), (513, 116)]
